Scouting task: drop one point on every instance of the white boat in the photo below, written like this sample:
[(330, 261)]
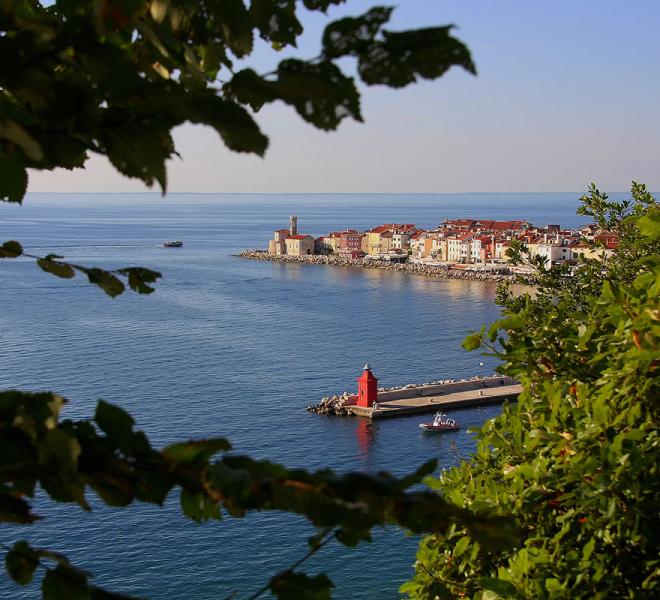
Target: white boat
[(440, 423), (174, 244)]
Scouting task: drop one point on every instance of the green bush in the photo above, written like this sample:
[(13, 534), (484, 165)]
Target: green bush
[(576, 460)]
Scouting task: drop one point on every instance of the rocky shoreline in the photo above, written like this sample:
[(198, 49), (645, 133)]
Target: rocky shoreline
[(443, 272), (336, 405)]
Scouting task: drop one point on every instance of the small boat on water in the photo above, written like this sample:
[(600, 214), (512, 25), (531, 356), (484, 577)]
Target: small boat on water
[(440, 423), (174, 244)]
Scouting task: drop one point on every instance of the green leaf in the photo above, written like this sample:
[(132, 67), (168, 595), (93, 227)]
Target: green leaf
[(58, 456), (512, 322), (96, 593), (321, 5), (403, 57), (472, 342), (321, 94), (138, 278), (14, 132), (56, 268), (195, 451), (117, 424), (15, 510), (461, 546), (354, 34), (588, 549), (64, 583), (21, 562), (250, 88), (299, 586), (235, 25), (276, 20), (234, 124), (59, 451), (106, 281), (11, 249), (113, 420), (114, 488), (649, 225), (499, 586), (158, 9), (140, 152), (13, 178), (198, 506)]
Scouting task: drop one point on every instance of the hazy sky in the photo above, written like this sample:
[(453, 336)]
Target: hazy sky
[(568, 92)]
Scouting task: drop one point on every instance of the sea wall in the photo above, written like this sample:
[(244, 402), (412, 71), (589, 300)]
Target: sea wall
[(442, 387), (443, 272)]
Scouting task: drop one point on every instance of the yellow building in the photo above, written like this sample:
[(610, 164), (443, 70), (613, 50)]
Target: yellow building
[(299, 245), (333, 241), (373, 240)]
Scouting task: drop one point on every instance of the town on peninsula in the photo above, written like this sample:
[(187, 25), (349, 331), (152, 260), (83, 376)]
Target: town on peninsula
[(463, 248)]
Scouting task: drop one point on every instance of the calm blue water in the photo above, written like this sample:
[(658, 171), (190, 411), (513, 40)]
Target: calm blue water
[(236, 348)]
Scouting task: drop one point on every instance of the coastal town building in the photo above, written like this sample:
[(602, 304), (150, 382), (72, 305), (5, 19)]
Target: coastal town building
[(553, 253), (332, 241), (465, 241), (481, 249), (373, 239), (381, 239), (299, 245), (401, 240), (385, 242), (289, 241), (459, 247), (351, 243)]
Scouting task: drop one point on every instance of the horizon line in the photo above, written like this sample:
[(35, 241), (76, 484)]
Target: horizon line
[(325, 193)]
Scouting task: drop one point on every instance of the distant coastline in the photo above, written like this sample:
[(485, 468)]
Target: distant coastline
[(465, 272)]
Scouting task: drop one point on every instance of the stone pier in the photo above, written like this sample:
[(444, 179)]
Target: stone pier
[(421, 404)]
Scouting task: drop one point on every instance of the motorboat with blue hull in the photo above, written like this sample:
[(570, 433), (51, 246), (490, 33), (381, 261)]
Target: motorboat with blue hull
[(440, 423)]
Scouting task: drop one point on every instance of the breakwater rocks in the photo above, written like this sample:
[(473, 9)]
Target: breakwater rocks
[(332, 405), (444, 272)]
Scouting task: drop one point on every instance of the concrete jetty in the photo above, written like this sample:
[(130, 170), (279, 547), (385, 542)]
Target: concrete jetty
[(416, 399), (418, 405)]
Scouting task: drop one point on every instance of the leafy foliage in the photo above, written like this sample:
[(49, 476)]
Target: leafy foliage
[(114, 77), (576, 460), (298, 586)]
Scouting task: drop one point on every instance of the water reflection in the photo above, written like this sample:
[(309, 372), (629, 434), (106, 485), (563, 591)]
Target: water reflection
[(366, 434), (392, 281)]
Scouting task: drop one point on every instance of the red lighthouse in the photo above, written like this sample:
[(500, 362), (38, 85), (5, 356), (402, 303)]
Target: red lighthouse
[(367, 388)]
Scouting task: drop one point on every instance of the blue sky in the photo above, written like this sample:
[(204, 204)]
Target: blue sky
[(568, 92)]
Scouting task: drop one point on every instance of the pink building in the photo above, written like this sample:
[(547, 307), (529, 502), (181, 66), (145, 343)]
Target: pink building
[(350, 242)]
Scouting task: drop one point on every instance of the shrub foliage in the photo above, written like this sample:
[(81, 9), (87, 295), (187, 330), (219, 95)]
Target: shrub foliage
[(576, 460)]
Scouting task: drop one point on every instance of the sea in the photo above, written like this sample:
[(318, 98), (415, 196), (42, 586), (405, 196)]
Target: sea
[(238, 348)]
